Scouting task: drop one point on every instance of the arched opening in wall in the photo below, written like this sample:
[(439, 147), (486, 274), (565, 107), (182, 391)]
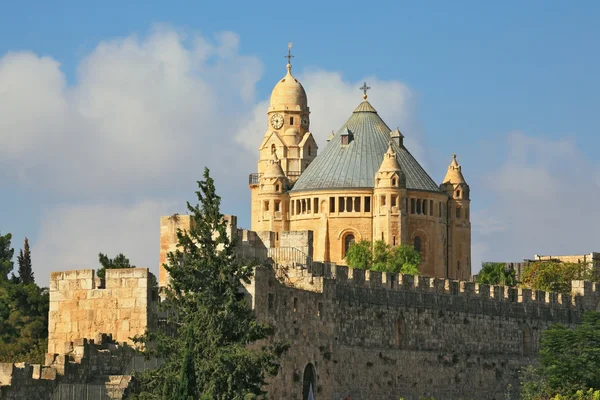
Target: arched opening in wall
[(458, 193), (527, 340), (399, 332), (273, 148), (309, 382), (394, 181), (417, 245), (348, 241)]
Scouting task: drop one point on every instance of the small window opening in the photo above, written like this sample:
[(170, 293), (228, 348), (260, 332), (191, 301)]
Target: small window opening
[(267, 205), (440, 209), (367, 204), (273, 148), (341, 204), (349, 204), (308, 206), (458, 193), (394, 181), (316, 207), (457, 212), (394, 200), (424, 207), (277, 188), (417, 244), (382, 200), (357, 204), (295, 304), (348, 241), (291, 120), (419, 206), (332, 204), (277, 205), (412, 206), (394, 240), (431, 208)]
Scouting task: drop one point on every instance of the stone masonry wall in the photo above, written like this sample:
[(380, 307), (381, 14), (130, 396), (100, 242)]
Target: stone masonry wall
[(381, 336), (81, 306)]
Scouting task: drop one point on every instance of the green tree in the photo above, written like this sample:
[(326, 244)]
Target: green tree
[(204, 294), (496, 274), (6, 256), (119, 262), (383, 257), (24, 261), (554, 276), (569, 363)]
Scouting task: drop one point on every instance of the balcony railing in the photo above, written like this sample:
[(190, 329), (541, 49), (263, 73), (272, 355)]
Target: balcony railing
[(254, 178)]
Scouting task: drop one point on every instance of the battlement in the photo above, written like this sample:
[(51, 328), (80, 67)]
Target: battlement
[(81, 305)]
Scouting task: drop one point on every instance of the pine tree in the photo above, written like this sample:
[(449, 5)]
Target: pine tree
[(205, 295), (24, 261), (120, 261)]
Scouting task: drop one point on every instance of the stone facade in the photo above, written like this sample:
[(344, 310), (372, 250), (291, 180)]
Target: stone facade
[(100, 364), (436, 220), (81, 305)]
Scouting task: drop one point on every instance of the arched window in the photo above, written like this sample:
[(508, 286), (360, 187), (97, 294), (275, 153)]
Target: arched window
[(309, 382), (273, 148), (348, 241), (417, 244), (394, 181), (309, 150), (458, 193)]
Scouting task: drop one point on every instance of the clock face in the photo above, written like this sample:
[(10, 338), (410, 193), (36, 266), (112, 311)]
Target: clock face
[(277, 121), (304, 121)]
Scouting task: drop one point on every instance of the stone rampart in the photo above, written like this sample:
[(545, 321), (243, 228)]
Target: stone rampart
[(82, 305), (381, 336)]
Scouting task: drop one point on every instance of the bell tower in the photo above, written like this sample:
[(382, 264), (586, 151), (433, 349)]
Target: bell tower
[(287, 137), (459, 222)]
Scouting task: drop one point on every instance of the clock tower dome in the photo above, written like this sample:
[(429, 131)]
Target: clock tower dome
[(287, 138)]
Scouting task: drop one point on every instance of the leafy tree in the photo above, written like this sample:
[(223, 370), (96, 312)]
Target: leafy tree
[(214, 345), (496, 274), (555, 276), (569, 363), (6, 255), (24, 261), (23, 314), (383, 257)]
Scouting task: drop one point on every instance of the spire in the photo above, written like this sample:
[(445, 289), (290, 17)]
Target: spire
[(289, 57), (390, 162), (274, 169), (454, 174)]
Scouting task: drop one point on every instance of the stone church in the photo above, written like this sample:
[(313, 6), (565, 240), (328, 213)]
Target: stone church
[(364, 185)]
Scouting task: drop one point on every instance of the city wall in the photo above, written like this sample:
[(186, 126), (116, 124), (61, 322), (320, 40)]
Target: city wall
[(381, 336), (82, 305)]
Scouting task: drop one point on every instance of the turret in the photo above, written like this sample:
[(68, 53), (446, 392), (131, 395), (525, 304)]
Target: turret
[(459, 223), (273, 198), (389, 213)]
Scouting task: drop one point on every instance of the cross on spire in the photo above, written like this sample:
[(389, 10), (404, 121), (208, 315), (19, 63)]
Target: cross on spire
[(289, 55), (364, 88)]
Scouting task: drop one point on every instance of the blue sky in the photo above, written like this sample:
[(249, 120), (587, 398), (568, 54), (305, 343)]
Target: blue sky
[(511, 87)]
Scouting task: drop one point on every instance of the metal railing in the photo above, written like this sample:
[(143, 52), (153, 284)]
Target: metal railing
[(254, 178)]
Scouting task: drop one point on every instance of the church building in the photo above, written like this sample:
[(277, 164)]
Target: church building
[(364, 185)]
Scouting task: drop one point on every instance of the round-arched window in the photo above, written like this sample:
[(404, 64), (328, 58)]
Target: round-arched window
[(348, 241), (273, 148), (309, 383)]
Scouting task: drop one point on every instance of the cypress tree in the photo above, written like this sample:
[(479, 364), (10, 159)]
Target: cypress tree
[(24, 261)]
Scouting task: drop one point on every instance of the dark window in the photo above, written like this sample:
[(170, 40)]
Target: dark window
[(267, 205), (348, 241), (394, 240), (458, 193), (316, 207), (367, 204), (394, 200), (341, 204), (277, 188), (291, 120), (277, 205), (457, 212), (295, 304), (431, 207), (412, 206), (418, 206), (394, 181), (273, 148), (357, 204), (349, 204), (424, 207), (417, 244), (382, 200), (309, 150), (332, 204)]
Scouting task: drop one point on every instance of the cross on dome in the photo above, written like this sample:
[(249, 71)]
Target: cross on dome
[(364, 88)]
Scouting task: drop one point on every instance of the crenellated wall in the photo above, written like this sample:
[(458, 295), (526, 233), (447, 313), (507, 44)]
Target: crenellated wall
[(82, 305), (375, 335)]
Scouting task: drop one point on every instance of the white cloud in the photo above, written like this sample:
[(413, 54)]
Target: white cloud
[(331, 100), (546, 195), (144, 114), (71, 236)]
